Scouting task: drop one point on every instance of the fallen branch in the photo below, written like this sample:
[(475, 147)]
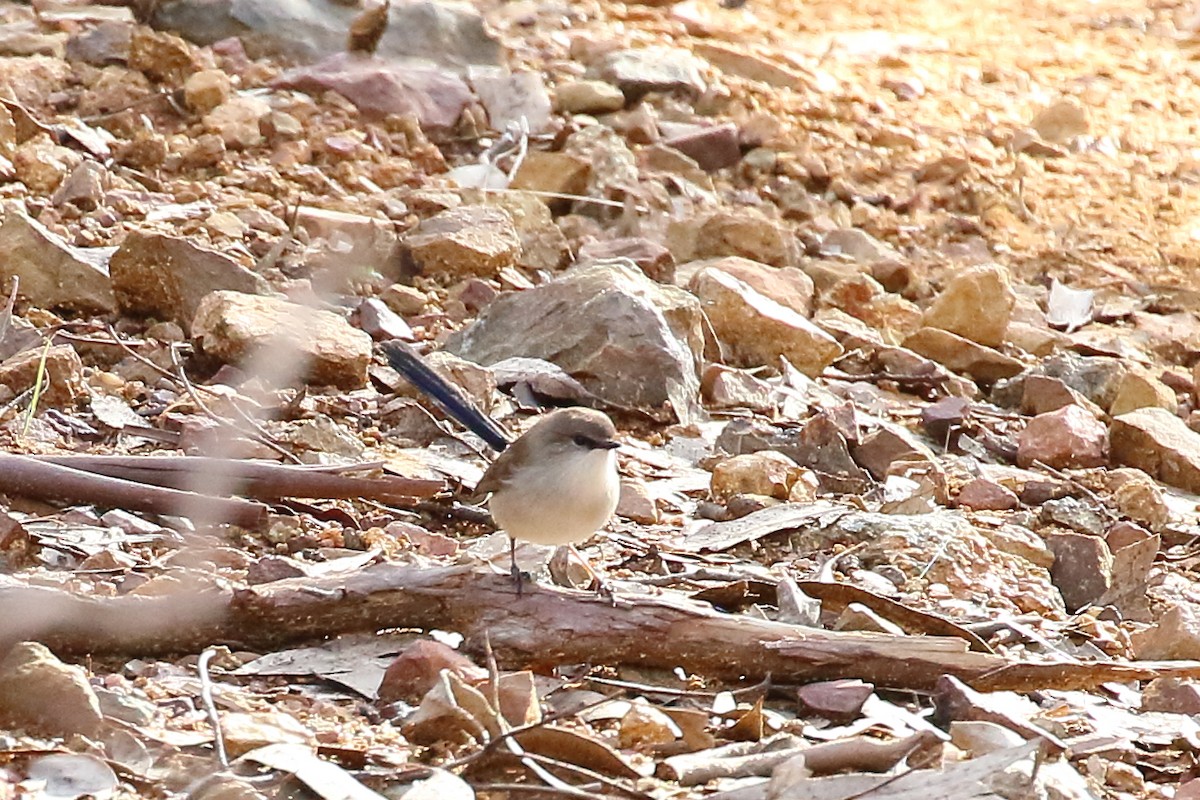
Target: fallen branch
[(261, 480), (548, 626), (42, 480)]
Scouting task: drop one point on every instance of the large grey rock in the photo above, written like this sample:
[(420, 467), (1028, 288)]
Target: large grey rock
[(629, 340), (52, 273), (446, 33)]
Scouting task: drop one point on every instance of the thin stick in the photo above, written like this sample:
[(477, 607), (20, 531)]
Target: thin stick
[(206, 694)]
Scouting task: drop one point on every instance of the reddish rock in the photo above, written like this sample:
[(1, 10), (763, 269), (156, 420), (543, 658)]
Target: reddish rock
[(713, 147), (1082, 568), (416, 669), (890, 443), (651, 257), (1041, 394), (981, 494), (836, 700), (1172, 695), (1063, 439)]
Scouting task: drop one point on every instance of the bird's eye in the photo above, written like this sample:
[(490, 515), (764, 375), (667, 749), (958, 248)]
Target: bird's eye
[(581, 441)]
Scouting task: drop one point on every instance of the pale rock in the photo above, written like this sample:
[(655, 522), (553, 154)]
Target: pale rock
[(512, 98), (163, 276), (612, 166), (636, 504), (478, 383), (646, 726), (858, 245), (1061, 121), (246, 731), (1036, 340), (52, 273), (320, 434), (962, 355), (161, 56), (1175, 636), (787, 286), (84, 188), (236, 121), (235, 328), (755, 330), (767, 473), (1160, 444), (205, 90), (864, 298), (226, 224), (725, 387), (405, 300), (1137, 496), (858, 617), (975, 304), (648, 360), (588, 97), (63, 374), (653, 69), (379, 322), (41, 693), (1064, 439), (468, 240), (1139, 389), (737, 60), (980, 494), (352, 244), (416, 669), (980, 737)]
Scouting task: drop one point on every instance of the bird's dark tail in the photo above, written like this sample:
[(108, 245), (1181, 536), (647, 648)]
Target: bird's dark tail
[(451, 399)]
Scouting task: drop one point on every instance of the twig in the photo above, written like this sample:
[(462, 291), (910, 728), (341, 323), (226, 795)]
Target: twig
[(38, 385), (211, 707)]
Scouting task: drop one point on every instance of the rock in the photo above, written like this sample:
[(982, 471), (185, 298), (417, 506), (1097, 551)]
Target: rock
[(235, 327), (1095, 377), (741, 233), (1137, 388), (755, 330), (354, 245), (470, 240), (650, 257), (379, 322), (1061, 121), (39, 692), (887, 444), (101, 46), (712, 147), (236, 121), (962, 355), (416, 669), (1082, 568), (63, 374), (543, 245), (839, 700), (510, 97), (611, 164), (648, 360), (976, 304), (41, 164), (1158, 443), (1138, 497), (981, 494), (449, 34), (249, 731), (1174, 636), (477, 382), (1171, 695), (858, 245), (168, 276), (735, 60), (1036, 340), (636, 504), (205, 90), (787, 286), (653, 69), (381, 88), (84, 188), (1043, 394), (588, 97), (724, 387), (560, 173), (52, 273), (1069, 438), (767, 473), (407, 301), (162, 57)]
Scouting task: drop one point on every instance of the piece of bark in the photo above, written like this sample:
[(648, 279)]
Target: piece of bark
[(261, 480), (29, 477), (547, 626)]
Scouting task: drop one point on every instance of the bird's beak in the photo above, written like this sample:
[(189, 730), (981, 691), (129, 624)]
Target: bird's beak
[(608, 445)]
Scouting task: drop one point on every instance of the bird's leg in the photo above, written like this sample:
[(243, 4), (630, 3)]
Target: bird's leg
[(598, 584), (516, 571)]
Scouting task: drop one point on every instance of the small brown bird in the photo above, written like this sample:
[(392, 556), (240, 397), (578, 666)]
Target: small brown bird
[(556, 484)]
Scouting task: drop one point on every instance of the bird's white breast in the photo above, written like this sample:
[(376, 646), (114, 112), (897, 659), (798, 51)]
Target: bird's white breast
[(558, 501)]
